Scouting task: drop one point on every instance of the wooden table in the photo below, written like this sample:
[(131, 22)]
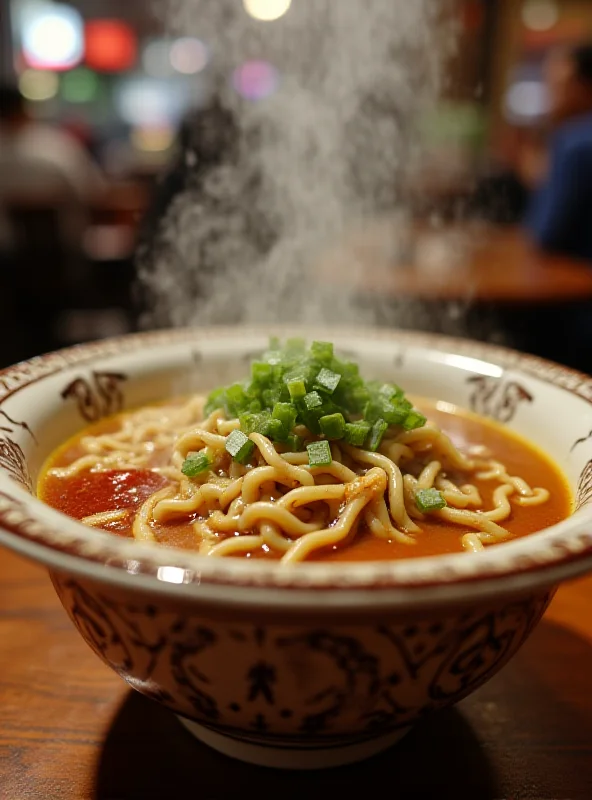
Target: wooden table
[(482, 264), (71, 730)]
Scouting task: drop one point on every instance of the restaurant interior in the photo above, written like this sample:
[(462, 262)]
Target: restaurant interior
[(108, 84), (189, 162)]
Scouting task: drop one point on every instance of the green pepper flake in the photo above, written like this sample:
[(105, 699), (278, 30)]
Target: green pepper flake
[(195, 464), (312, 400), (327, 380), (319, 454), (333, 426), (239, 446), (429, 500)]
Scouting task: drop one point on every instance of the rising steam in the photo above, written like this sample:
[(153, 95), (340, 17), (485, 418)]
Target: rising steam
[(332, 147)]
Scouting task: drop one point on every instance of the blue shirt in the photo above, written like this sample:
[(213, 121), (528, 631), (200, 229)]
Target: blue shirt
[(560, 216)]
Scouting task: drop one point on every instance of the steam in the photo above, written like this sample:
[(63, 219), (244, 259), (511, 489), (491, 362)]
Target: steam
[(334, 146)]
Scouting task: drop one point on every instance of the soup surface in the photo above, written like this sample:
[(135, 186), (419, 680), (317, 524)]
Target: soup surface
[(122, 493)]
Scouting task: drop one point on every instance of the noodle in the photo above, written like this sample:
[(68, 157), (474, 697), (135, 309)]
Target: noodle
[(277, 502)]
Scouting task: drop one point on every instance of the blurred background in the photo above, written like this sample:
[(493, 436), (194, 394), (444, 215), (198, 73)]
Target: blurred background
[(94, 94)]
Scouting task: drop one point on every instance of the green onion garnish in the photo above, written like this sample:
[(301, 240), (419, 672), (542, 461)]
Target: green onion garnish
[(356, 432), (297, 389), (195, 464), (294, 443), (322, 351), (377, 431), (332, 426), (312, 400), (327, 381), (319, 454), (429, 500), (239, 446), (414, 420), (286, 413), (291, 385)]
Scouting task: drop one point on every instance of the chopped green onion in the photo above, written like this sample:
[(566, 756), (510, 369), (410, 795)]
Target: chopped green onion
[(322, 351), (333, 426), (319, 454), (286, 413), (297, 390), (356, 432), (296, 345), (414, 420), (261, 372), (239, 446), (312, 400), (294, 385), (294, 443), (429, 500), (327, 380), (216, 400), (377, 431), (271, 396), (195, 464)]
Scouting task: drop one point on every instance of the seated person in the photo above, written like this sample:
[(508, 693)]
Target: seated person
[(560, 215)]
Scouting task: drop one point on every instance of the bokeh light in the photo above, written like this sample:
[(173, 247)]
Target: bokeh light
[(189, 56), (111, 45), (156, 58), (540, 15), (80, 86), (526, 100), (153, 140), (268, 10), (53, 38), (37, 85), (255, 80), (149, 103)]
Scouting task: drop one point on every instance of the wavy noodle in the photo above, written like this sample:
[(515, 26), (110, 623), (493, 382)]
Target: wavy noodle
[(278, 503)]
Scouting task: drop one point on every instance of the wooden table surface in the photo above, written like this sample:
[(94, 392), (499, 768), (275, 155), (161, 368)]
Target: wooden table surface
[(463, 263), (71, 730)]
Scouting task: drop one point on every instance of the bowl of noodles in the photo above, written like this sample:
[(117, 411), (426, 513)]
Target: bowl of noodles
[(300, 545)]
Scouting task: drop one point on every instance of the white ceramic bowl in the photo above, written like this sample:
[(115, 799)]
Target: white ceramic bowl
[(320, 664)]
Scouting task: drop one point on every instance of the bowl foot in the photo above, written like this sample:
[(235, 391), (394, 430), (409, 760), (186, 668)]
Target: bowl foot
[(286, 757)]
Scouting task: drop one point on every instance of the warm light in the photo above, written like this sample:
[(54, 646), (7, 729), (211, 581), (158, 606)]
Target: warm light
[(540, 15), (38, 86), (156, 58), (527, 100), (255, 80), (189, 56), (111, 45), (152, 140), (80, 86), (267, 10), (53, 38)]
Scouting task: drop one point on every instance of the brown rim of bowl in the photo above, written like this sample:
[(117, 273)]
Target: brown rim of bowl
[(20, 518)]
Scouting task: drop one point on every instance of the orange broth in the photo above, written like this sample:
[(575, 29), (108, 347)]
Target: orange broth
[(92, 492)]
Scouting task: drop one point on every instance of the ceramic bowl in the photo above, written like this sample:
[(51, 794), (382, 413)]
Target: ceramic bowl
[(320, 664)]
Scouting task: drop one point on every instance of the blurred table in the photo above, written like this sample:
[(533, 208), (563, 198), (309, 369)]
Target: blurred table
[(71, 730), (492, 265)]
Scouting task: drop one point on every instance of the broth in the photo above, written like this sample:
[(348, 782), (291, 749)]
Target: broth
[(89, 493)]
